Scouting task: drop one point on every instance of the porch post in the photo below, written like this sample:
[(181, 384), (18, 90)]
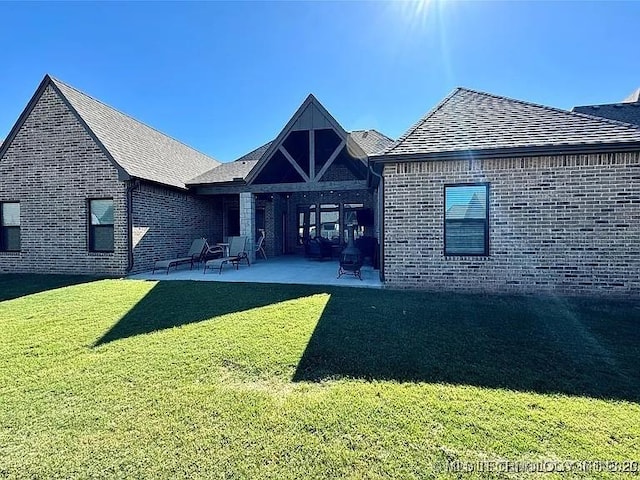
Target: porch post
[(248, 222)]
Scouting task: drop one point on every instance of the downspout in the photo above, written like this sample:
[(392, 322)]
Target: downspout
[(380, 219), (130, 188)]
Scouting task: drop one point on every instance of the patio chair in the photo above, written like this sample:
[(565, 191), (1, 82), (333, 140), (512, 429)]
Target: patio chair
[(319, 248), (198, 247), (237, 253), (260, 245)]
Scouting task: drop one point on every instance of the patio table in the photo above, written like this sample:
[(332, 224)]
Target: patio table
[(225, 248)]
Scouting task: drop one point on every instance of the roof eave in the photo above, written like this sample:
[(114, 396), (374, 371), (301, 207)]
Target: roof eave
[(509, 152), (233, 183)]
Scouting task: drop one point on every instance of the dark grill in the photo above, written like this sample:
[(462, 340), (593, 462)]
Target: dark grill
[(350, 258)]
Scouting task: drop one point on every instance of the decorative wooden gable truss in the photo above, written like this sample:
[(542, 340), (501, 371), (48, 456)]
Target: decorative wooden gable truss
[(306, 149)]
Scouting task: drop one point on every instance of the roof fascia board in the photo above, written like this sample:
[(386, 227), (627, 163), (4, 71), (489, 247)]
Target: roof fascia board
[(217, 189), (174, 188), (122, 173), (509, 152), (310, 100)]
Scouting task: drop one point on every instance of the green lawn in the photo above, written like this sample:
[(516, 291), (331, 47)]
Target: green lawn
[(135, 379)]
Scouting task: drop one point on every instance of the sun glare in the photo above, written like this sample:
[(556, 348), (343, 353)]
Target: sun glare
[(418, 12)]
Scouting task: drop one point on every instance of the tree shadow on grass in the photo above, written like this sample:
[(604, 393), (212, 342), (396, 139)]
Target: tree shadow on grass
[(16, 285), (547, 345), (170, 304)]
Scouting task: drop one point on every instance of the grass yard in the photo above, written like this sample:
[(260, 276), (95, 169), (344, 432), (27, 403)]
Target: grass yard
[(122, 378)]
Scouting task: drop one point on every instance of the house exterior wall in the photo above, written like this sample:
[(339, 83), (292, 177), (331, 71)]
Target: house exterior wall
[(166, 221), (568, 224), (53, 167)]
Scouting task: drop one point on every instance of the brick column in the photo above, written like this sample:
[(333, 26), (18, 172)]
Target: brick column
[(248, 222)]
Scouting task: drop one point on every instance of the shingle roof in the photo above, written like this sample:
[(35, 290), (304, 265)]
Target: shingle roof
[(623, 112), (228, 172), (140, 150), (471, 120), (371, 141)]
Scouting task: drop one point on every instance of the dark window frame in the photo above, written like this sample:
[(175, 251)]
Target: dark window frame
[(91, 228), (486, 222), (331, 207), (3, 229)]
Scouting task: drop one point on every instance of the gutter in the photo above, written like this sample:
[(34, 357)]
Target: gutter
[(508, 152), (380, 219), (130, 188)]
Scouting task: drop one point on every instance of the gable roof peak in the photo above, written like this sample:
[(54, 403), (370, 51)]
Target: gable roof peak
[(57, 81), (300, 120), (469, 120), (137, 149)]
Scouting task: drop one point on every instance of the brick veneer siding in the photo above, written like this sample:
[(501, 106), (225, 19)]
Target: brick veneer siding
[(52, 168), (568, 224), (166, 221)]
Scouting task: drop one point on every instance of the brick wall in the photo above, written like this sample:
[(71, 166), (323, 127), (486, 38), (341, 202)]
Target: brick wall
[(52, 168), (567, 224), (166, 221)]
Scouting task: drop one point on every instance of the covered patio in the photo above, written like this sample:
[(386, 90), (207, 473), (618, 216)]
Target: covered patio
[(287, 269)]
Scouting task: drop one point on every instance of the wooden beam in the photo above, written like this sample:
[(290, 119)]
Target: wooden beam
[(293, 163), (333, 156), (283, 187), (312, 154)]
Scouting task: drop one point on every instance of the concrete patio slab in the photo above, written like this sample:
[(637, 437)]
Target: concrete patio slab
[(285, 269)]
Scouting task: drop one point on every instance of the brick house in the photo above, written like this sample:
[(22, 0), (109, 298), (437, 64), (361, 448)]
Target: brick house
[(87, 189), (484, 193), (489, 193)]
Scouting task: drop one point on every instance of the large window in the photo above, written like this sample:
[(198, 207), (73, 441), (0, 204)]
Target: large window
[(466, 219), (10, 223), (101, 225), (332, 220)]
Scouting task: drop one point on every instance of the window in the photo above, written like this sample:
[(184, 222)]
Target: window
[(330, 222), (10, 223), (312, 222), (466, 219), (351, 213), (101, 225)]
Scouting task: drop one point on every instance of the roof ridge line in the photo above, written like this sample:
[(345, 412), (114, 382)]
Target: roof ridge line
[(54, 79), (622, 104), (422, 120), (553, 109)]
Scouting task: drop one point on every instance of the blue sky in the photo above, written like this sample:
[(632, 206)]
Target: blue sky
[(226, 77)]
